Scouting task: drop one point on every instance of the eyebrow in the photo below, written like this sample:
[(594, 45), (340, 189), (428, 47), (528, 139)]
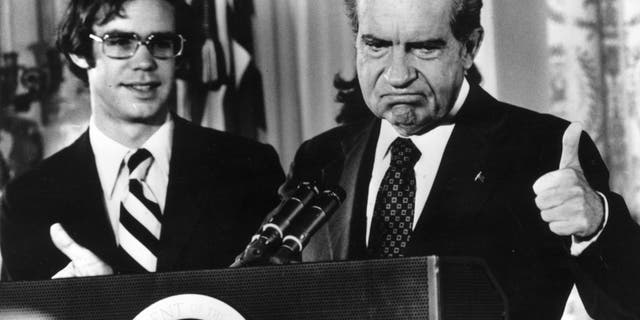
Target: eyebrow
[(371, 39), (431, 43), (119, 32)]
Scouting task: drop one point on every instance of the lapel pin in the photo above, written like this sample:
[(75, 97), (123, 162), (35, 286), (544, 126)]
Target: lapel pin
[(479, 177)]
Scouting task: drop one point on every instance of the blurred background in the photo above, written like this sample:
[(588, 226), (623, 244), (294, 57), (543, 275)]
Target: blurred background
[(266, 71)]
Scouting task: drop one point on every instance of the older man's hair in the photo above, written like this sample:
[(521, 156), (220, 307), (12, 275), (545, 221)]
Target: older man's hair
[(465, 16), (81, 15)]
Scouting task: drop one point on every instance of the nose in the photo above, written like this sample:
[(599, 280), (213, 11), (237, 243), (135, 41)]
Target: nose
[(143, 60), (400, 73)]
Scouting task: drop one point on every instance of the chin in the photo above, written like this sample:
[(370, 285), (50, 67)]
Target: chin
[(406, 131), (413, 127), (149, 116)]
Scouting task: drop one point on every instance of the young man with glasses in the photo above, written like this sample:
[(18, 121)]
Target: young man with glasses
[(142, 190)]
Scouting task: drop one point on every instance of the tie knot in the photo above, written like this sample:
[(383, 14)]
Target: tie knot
[(138, 164), (404, 153)]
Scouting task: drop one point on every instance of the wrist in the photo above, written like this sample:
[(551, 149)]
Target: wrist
[(602, 213)]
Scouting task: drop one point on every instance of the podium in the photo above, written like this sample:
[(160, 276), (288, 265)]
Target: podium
[(408, 288)]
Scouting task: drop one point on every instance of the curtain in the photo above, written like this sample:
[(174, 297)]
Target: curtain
[(28, 27), (594, 64), (300, 46)]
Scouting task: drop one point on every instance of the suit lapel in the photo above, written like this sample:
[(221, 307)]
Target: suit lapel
[(345, 231), (182, 209), (464, 179), (87, 222)]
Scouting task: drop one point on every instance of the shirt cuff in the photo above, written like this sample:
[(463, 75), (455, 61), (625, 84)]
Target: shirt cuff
[(577, 247)]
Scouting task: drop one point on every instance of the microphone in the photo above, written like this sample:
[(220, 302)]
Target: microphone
[(272, 231), (307, 223)]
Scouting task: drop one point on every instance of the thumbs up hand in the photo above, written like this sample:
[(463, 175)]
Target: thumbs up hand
[(566, 201), (83, 263)]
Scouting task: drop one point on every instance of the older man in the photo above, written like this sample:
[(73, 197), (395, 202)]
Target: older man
[(142, 190), (446, 169)]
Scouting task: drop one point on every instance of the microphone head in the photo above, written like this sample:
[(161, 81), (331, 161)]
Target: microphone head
[(306, 189), (335, 191)]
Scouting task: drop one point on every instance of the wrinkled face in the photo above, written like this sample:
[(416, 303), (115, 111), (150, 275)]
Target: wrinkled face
[(409, 64), (136, 89)]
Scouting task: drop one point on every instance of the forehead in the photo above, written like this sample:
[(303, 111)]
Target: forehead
[(405, 19), (141, 17)]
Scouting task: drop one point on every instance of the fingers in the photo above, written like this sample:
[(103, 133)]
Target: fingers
[(563, 228), (98, 268), (568, 204), (83, 261), (70, 248), (558, 179), (67, 272), (552, 198), (568, 210), (570, 144), (567, 219)]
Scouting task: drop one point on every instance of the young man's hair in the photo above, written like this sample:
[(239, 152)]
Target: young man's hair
[(465, 17), (81, 15)]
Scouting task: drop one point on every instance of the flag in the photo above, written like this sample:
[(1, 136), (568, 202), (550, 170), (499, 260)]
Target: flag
[(228, 93)]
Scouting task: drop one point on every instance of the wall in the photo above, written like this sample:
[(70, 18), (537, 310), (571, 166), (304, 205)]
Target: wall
[(521, 65)]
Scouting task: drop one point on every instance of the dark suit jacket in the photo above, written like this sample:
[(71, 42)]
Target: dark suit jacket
[(220, 187), (495, 219)]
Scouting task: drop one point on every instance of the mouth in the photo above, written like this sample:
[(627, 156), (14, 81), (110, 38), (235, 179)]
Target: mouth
[(403, 98), (142, 87)]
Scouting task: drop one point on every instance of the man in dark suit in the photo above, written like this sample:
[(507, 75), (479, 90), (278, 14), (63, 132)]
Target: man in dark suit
[(445, 169), (142, 190)]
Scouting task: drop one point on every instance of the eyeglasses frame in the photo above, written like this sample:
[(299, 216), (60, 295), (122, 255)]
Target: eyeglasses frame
[(139, 42)]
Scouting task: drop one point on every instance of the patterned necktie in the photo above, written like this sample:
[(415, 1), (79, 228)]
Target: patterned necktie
[(392, 222), (140, 216)]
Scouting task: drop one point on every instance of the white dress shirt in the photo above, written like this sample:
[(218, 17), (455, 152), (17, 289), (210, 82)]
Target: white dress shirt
[(432, 144), (114, 175)]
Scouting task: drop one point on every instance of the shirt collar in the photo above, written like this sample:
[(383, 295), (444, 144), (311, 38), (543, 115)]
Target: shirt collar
[(109, 154), (462, 96), (388, 134), (160, 143)]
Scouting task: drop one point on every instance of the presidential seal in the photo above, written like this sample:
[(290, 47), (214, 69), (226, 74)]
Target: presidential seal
[(189, 306)]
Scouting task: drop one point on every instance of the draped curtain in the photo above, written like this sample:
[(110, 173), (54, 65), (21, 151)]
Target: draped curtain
[(594, 62), (300, 46), (28, 28)]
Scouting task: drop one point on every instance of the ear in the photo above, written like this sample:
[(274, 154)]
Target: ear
[(471, 47), (79, 61)]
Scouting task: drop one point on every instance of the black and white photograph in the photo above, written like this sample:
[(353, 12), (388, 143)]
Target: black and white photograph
[(320, 159)]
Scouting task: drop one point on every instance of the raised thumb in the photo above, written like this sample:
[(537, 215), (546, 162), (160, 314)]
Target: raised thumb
[(570, 144)]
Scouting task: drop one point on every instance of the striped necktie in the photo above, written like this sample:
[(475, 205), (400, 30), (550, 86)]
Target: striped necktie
[(140, 216)]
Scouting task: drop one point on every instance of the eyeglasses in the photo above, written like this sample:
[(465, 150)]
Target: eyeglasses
[(125, 45)]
